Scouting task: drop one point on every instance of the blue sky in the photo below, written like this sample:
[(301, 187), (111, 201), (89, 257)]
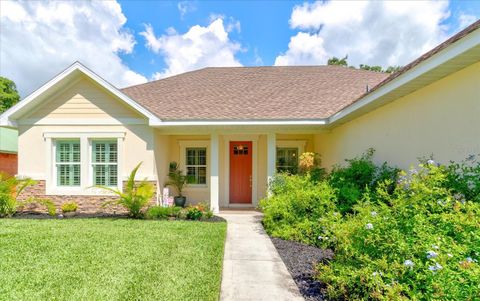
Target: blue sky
[(130, 42), (264, 26), (265, 30)]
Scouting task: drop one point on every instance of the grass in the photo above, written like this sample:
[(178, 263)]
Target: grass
[(110, 259)]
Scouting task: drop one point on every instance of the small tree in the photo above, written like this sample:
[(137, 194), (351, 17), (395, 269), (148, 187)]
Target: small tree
[(8, 94), (338, 62), (135, 196)]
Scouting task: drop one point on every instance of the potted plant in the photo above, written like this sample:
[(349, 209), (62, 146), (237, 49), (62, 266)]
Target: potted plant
[(177, 179)]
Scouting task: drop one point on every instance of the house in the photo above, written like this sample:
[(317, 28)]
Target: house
[(8, 151), (230, 129)]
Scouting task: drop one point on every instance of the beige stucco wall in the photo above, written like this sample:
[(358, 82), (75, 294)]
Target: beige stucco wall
[(442, 119), (79, 104)]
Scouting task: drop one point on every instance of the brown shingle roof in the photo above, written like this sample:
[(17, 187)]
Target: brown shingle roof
[(254, 93), (266, 93)]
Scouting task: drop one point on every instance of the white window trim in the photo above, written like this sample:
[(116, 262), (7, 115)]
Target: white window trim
[(184, 144), (86, 172), (298, 144)]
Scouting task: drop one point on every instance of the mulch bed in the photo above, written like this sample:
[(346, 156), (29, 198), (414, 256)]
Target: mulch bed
[(40, 215), (300, 260)]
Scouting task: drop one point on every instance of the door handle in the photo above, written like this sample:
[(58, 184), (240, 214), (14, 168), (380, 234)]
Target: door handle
[(250, 178)]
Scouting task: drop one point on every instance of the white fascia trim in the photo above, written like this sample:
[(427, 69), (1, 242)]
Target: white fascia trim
[(242, 122), (436, 60), (5, 117), (89, 135)]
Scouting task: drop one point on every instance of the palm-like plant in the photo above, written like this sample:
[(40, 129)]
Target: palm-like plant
[(135, 195), (10, 189), (176, 178)]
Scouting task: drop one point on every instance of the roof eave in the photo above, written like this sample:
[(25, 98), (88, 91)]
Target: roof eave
[(9, 117), (362, 105)]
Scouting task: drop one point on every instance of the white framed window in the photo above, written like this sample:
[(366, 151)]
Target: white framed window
[(196, 165), (105, 162), (287, 159), (77, 161), (68, 163), (194, 158), (287, 154)]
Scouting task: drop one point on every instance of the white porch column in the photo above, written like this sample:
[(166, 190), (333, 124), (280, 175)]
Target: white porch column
[(271, 157), (214, 187)]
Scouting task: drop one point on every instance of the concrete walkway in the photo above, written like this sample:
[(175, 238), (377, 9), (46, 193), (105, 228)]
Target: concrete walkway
[(252, 268)]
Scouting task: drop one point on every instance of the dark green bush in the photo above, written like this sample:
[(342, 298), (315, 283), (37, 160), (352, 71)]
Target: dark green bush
[(464, 178), (357, 177), (158, 212), (194, 213)]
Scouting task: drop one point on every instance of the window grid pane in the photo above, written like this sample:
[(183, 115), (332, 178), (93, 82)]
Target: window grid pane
[(105, 157), (287, 160), (68, 163), (196, 165)]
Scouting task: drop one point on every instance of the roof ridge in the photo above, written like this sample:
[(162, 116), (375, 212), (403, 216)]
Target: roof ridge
[(164, 78), (254, 67)]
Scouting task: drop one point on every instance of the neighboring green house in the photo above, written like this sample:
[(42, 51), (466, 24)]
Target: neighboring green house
[(8, 140), (8, 150)]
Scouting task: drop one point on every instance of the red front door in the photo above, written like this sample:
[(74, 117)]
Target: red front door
[(241, 172)]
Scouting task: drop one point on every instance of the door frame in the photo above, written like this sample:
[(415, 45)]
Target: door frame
[(254, 140)]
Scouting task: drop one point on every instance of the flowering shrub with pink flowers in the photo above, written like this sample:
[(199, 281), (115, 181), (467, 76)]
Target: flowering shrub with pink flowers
[(417, 241)]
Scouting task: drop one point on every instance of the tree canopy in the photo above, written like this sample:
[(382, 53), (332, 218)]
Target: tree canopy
[(343, 62), (8, 94)]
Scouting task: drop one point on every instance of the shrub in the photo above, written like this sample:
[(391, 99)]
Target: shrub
[(309, 163), (295, 206), (69, 207), (194, 213), (135, 196), (464, 178), (359, 176), (424, 244), (199, 211), (158, 212), (407, 235)]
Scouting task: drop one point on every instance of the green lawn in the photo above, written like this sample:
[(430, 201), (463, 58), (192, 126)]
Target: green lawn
[(110, 259)]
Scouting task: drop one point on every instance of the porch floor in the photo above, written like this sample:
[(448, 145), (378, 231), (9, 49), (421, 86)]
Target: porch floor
[(252, 268)]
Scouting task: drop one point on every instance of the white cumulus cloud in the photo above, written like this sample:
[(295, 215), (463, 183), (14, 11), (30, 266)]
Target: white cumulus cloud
[(40, 39), (465, 19), (375, 33), (200, 46)]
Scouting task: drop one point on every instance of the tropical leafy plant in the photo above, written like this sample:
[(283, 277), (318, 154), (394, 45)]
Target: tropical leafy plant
[(10, 189), (47, 203), (176, 178), (135, 196)]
